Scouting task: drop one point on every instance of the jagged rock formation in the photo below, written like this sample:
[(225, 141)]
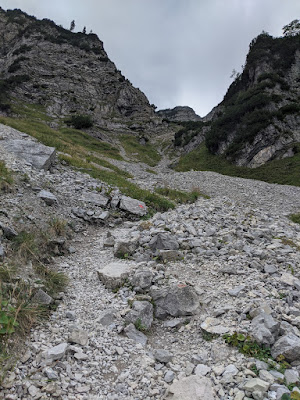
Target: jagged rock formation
[(68, 73), (258, 119), (179, 114)]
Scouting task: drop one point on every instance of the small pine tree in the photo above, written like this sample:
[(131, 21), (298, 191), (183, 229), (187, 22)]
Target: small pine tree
[(72, 26), (84, 30)]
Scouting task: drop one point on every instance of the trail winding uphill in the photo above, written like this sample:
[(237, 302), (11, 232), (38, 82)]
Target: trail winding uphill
[(221, 265)]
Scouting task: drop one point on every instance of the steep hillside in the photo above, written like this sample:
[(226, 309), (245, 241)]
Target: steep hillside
[(258, 119), (68, 73)]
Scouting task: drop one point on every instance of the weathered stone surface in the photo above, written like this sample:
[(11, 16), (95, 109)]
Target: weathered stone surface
[(141, 314), (115, 274), (265, 329), (142, 279), (8, 231), (162, 355), (193, 387), (287, 345), (132, 333), (95, 198), (125, 248), (163, 241), (176, 300), (179, 114), (255, 385), (33, 152), (42, 297), (213, 326), (170, 255), (56, 352), (48, 197), (79, 336), (107, 317), (133, 206)]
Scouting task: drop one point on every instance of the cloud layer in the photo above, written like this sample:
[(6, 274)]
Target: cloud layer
[(178, 52)]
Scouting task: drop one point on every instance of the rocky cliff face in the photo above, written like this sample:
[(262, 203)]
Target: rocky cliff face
[(179, 114), (68, 73), (259, 117)]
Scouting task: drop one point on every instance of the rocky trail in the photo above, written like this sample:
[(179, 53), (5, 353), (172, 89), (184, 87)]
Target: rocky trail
[(150, 325)]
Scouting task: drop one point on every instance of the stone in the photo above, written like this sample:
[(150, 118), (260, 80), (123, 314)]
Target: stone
[(133, 206), (142, 279), (48, 197), (192, 387), (231, 369), (291, 376), (71, 315), (176, 300), (235, 292), (33, 152), (2, 253), (50, 373), (125, 248), (96, 199), (115, 274), (132, 333), (265, 329), (141, 314), (8, 231), (169, 376), (56, 352), (163, 241), (202, 370), (266, 376), (270, 269), (79, 336), (213, 326), (170, 255), (42, 297), (162, 355), (107, 317), (256, 385), (287, 345)]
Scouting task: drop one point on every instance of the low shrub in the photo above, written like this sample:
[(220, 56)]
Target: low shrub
[(80, 121)]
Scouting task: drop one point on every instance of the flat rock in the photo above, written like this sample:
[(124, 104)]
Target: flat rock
[(95, 198), (176, 300), (79, 336), (34, 153), (213, 326), (133, 206), (162, 355), (287, 345), (56, 352), (42, 297), (132, 333), (115, 274), (191, 388), (48, 197)]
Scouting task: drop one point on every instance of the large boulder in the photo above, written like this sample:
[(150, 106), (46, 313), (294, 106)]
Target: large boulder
[(163, 241), (133, 206), (33, 152), (193, 387), (287, 345), (175, 300)]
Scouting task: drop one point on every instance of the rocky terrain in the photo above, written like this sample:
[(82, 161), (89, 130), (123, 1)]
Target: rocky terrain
[(148, 301), (179, 114), (69, 74)]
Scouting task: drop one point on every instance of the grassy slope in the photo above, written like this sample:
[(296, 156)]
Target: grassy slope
[(286, 171), (146, 154), (82, 151)]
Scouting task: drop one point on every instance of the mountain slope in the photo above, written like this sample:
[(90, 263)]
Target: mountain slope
[(258, 119), (68, 73)]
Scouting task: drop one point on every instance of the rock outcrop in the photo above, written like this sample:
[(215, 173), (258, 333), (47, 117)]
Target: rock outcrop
[(68, 74), (258, 119), (179, 114)]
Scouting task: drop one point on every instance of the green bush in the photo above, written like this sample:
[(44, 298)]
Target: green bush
[(80, 121)]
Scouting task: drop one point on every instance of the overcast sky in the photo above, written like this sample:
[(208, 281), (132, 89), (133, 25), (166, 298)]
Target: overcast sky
[(178, 52)]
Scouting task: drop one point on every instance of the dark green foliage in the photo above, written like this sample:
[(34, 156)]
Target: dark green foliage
[(190, 129), (80, 121), (179, 196), (246, 345), (295, 218), (292, 108)]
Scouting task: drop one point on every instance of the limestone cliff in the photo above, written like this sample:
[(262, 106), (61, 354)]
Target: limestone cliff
[(259, 117), (179, 114), (68, 73)]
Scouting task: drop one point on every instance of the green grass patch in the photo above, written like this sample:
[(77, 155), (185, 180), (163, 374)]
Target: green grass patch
[(6, 179), (179, 196), (138, 152), (285, 171), (31, 111), (152, 200), (295, 218)]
